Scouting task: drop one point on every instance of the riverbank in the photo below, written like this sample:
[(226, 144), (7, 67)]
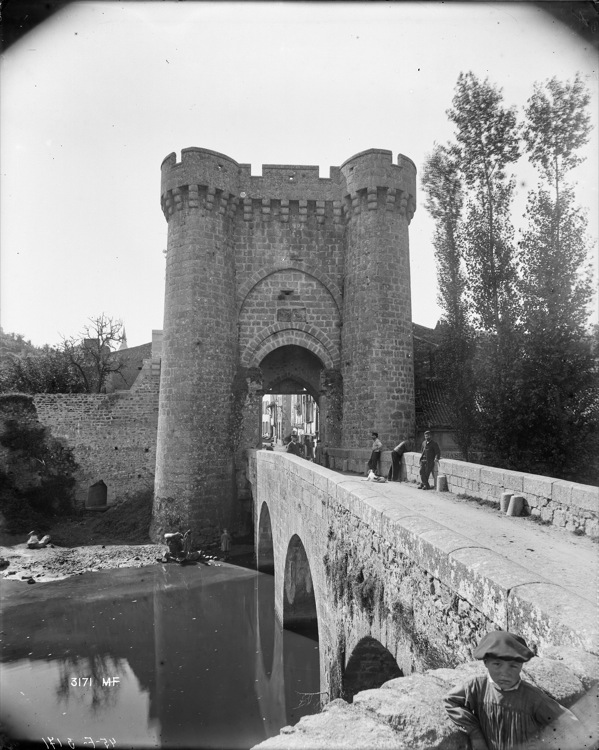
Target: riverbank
[(91, 541)]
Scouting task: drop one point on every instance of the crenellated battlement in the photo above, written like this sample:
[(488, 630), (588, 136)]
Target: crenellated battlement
[(206, 180)]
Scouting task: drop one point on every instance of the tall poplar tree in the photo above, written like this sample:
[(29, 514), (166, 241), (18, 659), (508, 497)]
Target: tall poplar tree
[(443, 186), (556, 411), (487, 142)]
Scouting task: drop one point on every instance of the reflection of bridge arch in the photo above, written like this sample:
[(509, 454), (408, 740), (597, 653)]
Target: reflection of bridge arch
[(369, 666), (299, 603), (264, 551)]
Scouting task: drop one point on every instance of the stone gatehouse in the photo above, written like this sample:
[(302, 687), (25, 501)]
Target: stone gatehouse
[(286, 276)]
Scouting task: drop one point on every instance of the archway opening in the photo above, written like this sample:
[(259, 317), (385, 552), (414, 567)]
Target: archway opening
[(369, 666), (299, 603), (290, 404)]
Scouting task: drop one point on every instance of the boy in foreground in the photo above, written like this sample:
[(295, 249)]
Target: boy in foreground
[(501, 711)]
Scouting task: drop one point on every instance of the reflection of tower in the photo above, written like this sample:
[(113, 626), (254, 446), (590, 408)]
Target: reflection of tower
[(378, 380)]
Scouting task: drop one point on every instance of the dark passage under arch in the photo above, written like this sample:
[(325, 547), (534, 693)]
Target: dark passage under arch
[(369, 666)]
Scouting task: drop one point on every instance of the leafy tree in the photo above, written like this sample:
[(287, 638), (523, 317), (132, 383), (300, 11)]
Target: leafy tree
[(487, 143), (78, 365), (43, 370), (93, 353), (558, 389)]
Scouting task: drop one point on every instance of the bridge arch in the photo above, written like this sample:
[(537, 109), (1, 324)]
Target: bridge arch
[(369, 666), (299, 601)]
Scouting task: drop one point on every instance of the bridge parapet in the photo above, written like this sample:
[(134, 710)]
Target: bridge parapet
[(569, 505)]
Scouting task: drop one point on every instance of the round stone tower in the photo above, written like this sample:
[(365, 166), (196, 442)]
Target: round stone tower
[(377, 361), (194, 473)]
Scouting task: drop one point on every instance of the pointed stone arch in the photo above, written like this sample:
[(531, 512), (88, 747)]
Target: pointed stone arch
[(279, 334), (307, 268)]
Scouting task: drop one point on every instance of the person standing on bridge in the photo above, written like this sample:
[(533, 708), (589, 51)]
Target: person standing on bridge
[(375, 456), (396, 455), (430, 453), (292, 446)]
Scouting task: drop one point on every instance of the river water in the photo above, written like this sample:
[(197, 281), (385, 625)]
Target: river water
[(161, 656)]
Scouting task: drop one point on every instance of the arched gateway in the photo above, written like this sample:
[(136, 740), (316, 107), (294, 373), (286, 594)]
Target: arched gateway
[(277, 283)]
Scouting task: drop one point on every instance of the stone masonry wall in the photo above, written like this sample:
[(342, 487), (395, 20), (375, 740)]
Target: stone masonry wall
[(112, 436)]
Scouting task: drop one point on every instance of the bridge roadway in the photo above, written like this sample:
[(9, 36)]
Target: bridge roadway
[(560, 557)]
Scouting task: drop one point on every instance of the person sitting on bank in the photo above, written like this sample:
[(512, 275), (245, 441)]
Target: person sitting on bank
[(396, 456), (501, 711), (375, 456), (430, 453), (34, 542)]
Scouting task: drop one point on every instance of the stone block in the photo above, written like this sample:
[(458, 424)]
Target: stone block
[(485, 579), (533, 484), (554, 678), (546, 614), (513, 480), (491, 476), (413, 706), (585, 497), (338, 725), (584, 665), (434, 547), (561, 492)]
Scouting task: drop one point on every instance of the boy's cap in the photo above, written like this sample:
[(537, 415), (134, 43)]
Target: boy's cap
[(503, 645)]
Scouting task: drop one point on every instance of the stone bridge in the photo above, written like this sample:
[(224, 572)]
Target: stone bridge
[(392, 584)]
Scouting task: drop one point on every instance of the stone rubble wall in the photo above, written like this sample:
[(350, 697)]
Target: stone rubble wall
[(569, 505), (112, 436), (408, 712)]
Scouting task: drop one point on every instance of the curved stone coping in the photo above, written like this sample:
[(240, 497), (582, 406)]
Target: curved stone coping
[(511, 596), (408, 712)]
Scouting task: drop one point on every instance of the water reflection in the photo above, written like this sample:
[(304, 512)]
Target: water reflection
[(162, 656)]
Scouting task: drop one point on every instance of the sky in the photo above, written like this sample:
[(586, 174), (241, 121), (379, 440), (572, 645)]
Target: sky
[(94, 99)]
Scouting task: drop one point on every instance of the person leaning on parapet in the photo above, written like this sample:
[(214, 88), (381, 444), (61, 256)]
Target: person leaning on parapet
[(375, 456), (500, 711), (292, 446), (396, 455), (430, 453)]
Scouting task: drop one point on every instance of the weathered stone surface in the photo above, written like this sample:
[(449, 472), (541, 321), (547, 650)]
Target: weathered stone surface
[(584, 665), (549, 615), (555, 679), (338, 727), (413, 706)]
